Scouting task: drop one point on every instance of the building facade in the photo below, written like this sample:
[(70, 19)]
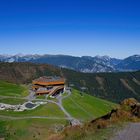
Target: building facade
[(48, 85)]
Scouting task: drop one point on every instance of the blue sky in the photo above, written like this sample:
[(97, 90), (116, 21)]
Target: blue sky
[(74, 27)]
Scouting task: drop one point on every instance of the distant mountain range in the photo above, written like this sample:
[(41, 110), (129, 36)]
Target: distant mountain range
[(85, 64)]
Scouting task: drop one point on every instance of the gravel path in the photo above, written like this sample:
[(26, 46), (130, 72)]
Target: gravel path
[(60, 98), (130, 132)]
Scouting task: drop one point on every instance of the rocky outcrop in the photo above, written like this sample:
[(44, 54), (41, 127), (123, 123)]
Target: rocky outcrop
[(128, 109), (129, 102), (134, 105), (136, 110)]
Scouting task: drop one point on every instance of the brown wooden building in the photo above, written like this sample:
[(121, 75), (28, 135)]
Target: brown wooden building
[(48, 85)]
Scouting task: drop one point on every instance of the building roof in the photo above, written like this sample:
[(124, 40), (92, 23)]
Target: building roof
[(46, 80)]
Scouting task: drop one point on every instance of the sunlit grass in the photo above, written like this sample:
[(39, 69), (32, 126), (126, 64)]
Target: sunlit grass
[(10, 89), (86, 107)]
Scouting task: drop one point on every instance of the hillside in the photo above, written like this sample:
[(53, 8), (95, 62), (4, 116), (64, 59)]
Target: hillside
[(10, 89), (121, 123), (110, 86), (40, 122), (49, 118), (86, 107)]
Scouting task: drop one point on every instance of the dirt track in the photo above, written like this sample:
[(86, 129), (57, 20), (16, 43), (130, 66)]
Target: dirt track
[(130, 132)]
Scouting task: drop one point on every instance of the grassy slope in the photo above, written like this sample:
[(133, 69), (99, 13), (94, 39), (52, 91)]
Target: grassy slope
[(32, 129), (28, 128), (86, 107), (9, 89), (50, 110), (12, 101)]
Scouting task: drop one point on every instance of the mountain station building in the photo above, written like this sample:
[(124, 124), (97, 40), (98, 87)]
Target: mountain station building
[(48, 85)]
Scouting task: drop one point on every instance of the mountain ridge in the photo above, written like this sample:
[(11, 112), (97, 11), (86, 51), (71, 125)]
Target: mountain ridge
[(86, 64)]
